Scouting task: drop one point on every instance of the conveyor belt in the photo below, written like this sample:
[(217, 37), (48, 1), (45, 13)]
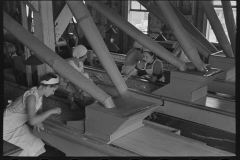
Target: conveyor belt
[(55, 122), (149, 142), (224, 105)]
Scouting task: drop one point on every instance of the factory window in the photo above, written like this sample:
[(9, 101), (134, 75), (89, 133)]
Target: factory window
[(138, 16), (219, 10)]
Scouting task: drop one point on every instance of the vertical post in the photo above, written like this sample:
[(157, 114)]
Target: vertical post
[(230, 23), (44, 30), (217, 28), (27, 51), (90, 31), (181, 35)]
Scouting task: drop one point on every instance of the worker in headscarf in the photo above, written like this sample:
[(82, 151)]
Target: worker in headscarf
[(22, 112), (133, 56), (79, 55)]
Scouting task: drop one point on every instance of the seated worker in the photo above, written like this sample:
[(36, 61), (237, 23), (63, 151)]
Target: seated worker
[(150, 67), (24, 110), (133, 56), (75, 93)]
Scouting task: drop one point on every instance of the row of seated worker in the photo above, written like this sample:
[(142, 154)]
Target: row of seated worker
[(141, 62)]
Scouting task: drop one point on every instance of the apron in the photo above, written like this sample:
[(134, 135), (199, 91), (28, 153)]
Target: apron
[(15, 129), (73, 88), (150, 70)]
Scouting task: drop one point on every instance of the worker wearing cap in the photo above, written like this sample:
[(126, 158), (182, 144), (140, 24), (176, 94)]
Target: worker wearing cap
[(78, 57), (150, 67), (133, 56)]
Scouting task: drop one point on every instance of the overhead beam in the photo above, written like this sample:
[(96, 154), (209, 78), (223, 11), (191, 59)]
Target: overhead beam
[(137, 35), (194, 31), (217, 28), (181, 35), (230, 23), (91, 32), (55, 61), (152, 8)]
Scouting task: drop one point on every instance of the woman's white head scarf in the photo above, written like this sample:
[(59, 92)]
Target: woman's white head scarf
[(79, 51)]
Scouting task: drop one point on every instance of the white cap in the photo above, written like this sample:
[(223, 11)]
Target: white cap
[(79, 51), (137, 45), (146, 50), (51, 81)]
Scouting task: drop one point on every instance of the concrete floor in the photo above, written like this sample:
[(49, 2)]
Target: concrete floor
[(52, 152)]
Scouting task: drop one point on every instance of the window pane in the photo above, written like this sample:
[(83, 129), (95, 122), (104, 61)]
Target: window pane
[(139, 20), (143, 8), (219, 11), (218, 2), (135, 5)]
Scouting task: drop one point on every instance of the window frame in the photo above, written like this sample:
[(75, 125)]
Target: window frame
[(138, 10), (208, 26), (130, 9)]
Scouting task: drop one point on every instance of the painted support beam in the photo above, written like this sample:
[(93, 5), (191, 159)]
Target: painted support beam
[(158, 14), (137, 35), (181, 35), (200, 47), (230, 23), (91, 32), (27, 51), (62, 22), (44, 30), (56, 62), (217, 28), (194, 31)]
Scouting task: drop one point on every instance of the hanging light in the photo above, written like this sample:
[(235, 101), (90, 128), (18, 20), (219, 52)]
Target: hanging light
[(112, 47), (112, 34), (111, 30), (160, 37)]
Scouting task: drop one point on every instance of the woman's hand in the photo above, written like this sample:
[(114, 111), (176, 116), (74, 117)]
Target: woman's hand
[(56, 110), (38, 127), (141, 64), (162, 79), (125, 77)]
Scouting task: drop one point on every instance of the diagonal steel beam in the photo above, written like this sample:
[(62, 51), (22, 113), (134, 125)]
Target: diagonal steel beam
[(137, 35), (203, 50), (217, 28), (181, 35), (55, 61), (230, 23), (91, 32)]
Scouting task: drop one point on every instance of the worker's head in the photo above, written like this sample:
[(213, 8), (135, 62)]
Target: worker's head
[(50, 83), (148, 56), (80, 52), (137, 45)]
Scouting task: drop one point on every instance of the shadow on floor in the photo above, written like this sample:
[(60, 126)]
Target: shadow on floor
[(52, 152)]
